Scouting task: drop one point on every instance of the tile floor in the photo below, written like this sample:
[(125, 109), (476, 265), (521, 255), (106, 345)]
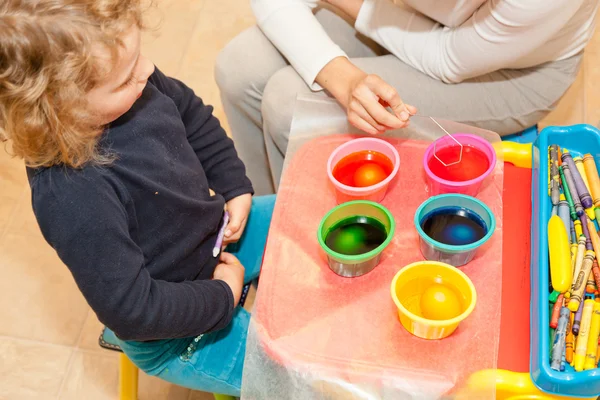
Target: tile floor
[(48, 335)]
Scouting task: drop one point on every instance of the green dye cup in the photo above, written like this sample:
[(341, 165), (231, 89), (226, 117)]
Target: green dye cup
[(355, 265)]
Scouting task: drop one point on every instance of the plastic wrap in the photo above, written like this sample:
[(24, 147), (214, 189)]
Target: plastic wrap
[(316, 335)]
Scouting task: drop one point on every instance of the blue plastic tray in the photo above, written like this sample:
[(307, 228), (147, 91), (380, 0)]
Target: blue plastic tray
[(578, 139)]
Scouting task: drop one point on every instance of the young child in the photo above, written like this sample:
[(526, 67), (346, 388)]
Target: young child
[(120, 161)]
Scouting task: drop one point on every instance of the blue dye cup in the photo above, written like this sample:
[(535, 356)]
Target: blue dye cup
[(456, 255)]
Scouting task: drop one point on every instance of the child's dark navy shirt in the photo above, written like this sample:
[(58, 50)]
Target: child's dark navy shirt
[(138, 234)]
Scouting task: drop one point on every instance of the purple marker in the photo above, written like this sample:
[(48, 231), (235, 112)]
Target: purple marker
[(572, 189), (584, 194), (221, 235)]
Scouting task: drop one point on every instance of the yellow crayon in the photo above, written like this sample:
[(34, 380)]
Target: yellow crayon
[(579, 281), (579, 164), (578, 228), (561, 272), (593, 179), (579, 258), (582, 338), (592, 344), (598, 353)]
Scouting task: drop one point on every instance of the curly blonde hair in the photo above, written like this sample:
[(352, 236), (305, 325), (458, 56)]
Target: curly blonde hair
[(46, 68)]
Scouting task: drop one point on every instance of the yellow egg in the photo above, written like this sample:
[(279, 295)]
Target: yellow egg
[(439, 302)]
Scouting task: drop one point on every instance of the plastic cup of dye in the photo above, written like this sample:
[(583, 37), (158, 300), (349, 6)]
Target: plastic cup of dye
[(472, 226), (348, 264), (376, 192), (411, 290), (476, 151)]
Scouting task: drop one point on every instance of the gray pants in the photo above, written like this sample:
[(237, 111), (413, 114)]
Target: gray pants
[(259, 90)]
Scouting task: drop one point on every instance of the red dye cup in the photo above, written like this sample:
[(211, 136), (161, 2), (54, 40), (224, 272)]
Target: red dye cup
[(438, 185), (375, 193)]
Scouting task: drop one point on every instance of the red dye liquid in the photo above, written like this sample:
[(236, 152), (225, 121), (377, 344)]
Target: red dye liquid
[(363, 168), (473, 164)]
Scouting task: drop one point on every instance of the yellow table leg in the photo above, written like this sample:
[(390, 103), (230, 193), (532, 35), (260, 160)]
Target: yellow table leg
[(509, 386), (128, 379), (518, 154)]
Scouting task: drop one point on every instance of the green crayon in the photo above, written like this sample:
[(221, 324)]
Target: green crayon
[(567, 194), (554, 296), (597, 212)]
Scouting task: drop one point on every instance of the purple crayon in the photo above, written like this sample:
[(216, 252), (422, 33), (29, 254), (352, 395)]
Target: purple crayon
[(584, 194), (572, 189)]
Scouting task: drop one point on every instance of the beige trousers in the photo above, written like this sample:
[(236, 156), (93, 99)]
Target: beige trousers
[(259, 88)]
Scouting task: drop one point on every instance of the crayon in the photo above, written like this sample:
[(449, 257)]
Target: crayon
[(570, 182), (574, 235), (598, 352), (556, 311), (592, 345), (554, 296), (573, 255), (584, 332), (561, 272), (578, 228), (554, 177), (577, 320), (594, 238), (597, 212), (596, 273), (579, 165), (567, 192), (562, 210), (578, 287), (586, 231), (590, 286), (558, 346), (579, 257), (570, 339), (594, 180), (582, 190)]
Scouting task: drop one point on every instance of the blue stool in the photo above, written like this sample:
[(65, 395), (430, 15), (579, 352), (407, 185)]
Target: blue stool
[(529, 135)]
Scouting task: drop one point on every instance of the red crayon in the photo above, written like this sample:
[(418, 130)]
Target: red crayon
[(556, 311)]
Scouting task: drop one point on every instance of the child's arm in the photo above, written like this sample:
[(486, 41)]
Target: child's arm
[(225, 171), (84, 216)]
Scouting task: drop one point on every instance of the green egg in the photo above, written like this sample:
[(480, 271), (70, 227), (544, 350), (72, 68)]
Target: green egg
[(350, 239)]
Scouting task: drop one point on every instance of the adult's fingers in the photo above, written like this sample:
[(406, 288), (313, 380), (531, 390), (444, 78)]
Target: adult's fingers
[(368, 98), (360, 123), (358, 108), (387, 92), (228, 258)]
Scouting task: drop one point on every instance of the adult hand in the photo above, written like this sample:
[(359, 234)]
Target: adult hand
[(231, 271), (238, 208), (366, 97)]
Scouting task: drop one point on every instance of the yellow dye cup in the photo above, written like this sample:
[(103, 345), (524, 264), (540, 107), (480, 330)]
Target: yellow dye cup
[(414, 280)]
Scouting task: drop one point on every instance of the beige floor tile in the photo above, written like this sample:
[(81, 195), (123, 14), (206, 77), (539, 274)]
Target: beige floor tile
[(592, 81), (90, 334), (196, 395), (94, 376), (219, 22), (23, 221), (12, 185), (39, 297), (170, 23), (31, 370), (571, 107)]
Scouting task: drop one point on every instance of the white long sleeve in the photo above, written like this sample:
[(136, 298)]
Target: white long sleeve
[(450, 40), (291, 26), (500, 34)]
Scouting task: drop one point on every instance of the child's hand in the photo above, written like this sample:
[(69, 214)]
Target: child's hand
[(238, 208), (231, 271)]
